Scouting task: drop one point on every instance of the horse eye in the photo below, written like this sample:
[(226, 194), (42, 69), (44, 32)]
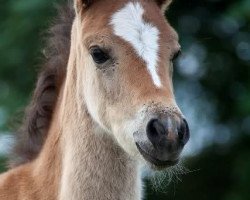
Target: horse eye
[(98, 55), (176, 55)]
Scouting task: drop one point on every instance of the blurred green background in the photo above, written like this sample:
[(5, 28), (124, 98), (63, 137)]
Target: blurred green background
[(212, 84)]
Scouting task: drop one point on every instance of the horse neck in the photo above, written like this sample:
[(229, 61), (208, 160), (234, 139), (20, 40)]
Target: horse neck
[(80, 161), (93, 165)]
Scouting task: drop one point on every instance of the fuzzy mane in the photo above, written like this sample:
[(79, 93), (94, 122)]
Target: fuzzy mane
[(33, 132)]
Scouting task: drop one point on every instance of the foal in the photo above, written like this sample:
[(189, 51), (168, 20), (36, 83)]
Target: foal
[(103, 109)]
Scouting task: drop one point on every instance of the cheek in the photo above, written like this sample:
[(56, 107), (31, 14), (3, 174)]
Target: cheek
[(93, 94), (123, 132), (101, 92)]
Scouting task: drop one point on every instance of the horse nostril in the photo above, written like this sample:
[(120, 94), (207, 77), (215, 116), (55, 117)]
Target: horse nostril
[(165, 132), (155, 130), (183, 132)]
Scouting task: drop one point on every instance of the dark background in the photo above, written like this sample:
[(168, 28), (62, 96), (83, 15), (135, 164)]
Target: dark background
[(212, 83)]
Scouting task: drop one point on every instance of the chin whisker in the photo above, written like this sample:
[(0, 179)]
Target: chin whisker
[(160, 180)]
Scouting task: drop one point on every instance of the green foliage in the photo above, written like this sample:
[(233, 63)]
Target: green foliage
[(2, 164), (219, 29), (220, 172), (21, 26)]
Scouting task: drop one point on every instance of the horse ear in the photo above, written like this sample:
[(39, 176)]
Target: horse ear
[(163, 4), (81, 4)]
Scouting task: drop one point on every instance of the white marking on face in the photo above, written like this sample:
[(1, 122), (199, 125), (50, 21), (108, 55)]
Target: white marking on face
[(128, 23)]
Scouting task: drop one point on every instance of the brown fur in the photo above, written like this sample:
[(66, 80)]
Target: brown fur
[(73, 142), (38, 179), (32, 134)]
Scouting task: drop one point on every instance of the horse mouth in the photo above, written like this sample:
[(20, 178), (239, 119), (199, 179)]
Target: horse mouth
[(156, 163)]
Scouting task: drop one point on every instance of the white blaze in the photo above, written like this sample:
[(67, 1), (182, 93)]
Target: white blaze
[(128, 23)]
